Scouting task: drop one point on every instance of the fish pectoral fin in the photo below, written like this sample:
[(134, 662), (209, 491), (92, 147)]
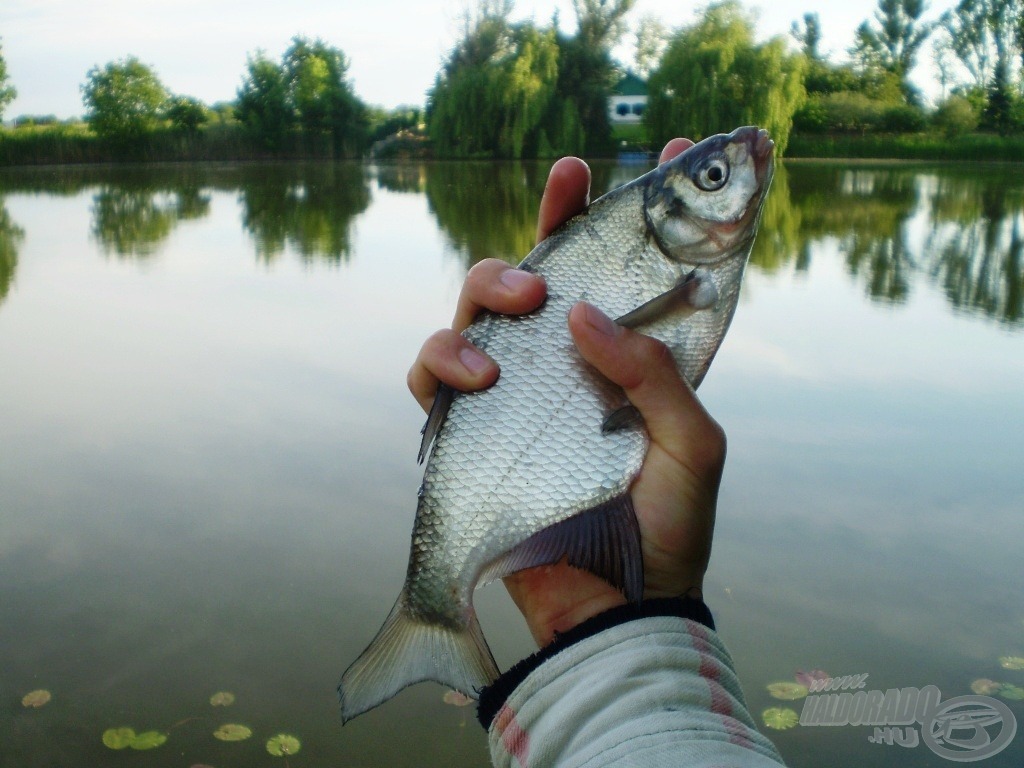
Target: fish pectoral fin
[(694, 292), (604, 540), (408, 650), (435, 419), (625, 417)]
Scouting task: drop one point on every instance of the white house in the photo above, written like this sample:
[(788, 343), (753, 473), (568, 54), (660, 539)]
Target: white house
[(628, 100)]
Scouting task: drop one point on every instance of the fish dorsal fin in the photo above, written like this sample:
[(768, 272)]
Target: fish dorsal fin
[(435, 419), (604, 540), (694, 292)]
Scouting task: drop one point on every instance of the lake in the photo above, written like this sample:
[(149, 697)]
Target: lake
[(208, 454)]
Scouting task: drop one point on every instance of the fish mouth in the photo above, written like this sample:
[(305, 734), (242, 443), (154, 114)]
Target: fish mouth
[(761, 148)]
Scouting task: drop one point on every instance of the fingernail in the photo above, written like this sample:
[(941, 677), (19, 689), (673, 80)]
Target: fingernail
[(599, 321), (514, 278), (475, 362)]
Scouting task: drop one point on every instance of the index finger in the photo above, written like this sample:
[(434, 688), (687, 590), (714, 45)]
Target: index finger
[(566, 193)]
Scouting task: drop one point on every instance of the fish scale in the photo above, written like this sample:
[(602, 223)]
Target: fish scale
[(532, 469)]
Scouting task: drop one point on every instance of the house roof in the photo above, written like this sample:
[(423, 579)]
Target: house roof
[(630, 85)]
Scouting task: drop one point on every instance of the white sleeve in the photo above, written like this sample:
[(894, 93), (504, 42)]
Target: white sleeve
[(658, 691)]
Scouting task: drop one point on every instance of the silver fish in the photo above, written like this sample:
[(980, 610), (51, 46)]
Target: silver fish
[(538, 466)]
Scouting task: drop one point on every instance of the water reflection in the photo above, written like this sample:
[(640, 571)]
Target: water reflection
[(978, 256), (900, 229), (487, 209), (309, 209), (958, 228), (134, 222), (401, 177), (778, 239), (11, 236)]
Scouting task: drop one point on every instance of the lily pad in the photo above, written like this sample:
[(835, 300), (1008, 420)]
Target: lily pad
[(233, 732), (148, 740), (457, 699), (985, 687), (787, 691), (283, 744), (118, 738), (1011, 662), (222, 699), (780, 718), (35, 698), (1012, 692)]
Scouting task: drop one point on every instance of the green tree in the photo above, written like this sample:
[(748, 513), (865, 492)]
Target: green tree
[(309, 90), (808, 36), (983, 34), (493, 91), (894, 44), (651, 38), (186, 114), (586, 74), (7, 91), (262, 105), (714, 77), (123, 99), (320, 95)]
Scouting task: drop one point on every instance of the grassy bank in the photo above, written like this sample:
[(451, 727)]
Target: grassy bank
[(75, 144), (910, 146)]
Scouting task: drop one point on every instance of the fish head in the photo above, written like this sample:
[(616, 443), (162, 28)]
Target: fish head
[(703, 205)]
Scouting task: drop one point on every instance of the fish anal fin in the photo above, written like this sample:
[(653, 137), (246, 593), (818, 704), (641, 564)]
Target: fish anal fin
[(694, 292), (604, 540), (435, 419), (407, 650)]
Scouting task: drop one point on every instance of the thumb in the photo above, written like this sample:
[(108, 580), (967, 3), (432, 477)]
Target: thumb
[(645, 369)]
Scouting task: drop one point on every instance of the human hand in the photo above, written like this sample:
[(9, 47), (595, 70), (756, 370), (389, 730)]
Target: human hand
[(676, 492)]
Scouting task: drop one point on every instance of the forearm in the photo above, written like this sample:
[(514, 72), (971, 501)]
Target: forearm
[(620, 690)]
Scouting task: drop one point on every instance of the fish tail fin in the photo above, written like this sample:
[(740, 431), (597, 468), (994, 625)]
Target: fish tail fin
[(407, 650)]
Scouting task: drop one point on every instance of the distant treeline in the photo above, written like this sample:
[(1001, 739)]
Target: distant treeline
[(520, 89)]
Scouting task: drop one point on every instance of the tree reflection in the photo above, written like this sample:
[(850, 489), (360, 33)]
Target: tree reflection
[(897, 227), (309, 209), (133, 222), (977, 245), (487, 209), (11, 236), (402, 177), (778, 237)]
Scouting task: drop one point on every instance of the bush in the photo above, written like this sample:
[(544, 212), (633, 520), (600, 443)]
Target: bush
[(903, 119), (956, 116), (848, 112)]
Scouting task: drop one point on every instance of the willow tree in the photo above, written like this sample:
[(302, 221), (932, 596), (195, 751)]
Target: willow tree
[(493, 92), (715, 77)]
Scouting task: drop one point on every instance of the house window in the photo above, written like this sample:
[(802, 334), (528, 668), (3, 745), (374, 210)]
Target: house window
[(638, 109), (622, 110)]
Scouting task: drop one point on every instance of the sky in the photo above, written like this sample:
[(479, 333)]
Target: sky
[(199, 47)]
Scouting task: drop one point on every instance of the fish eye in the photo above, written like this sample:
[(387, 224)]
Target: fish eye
[(713, 174)]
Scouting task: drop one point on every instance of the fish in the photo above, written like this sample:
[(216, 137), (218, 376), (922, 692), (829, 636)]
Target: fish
[(538, 467)]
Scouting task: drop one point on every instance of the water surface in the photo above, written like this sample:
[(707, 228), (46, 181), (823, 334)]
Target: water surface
[(207, 453)]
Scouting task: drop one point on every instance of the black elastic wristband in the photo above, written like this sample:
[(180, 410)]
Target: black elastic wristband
[(493, 697)]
